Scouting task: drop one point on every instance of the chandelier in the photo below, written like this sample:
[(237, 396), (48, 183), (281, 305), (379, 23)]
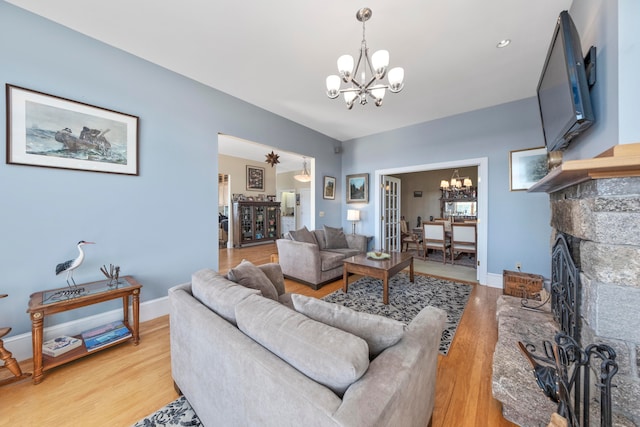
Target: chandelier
[(362, 80), (457, 186), (304, 175)]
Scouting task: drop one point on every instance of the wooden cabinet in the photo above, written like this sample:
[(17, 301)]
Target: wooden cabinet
[(459, 206), (255, 222)]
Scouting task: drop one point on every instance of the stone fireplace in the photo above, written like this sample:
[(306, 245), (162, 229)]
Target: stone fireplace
[(602, 216), (595, 206)]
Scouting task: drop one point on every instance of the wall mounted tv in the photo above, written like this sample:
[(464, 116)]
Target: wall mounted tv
[(563, 89)]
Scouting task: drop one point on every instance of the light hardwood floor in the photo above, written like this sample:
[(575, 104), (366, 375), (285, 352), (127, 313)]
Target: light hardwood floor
[(118, 386)]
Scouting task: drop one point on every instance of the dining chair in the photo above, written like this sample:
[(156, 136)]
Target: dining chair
[(434, 237), (463, 239), (409, 239), (447, 223)]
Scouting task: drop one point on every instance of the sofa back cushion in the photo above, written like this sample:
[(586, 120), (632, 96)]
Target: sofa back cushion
[(335, 238), (303, 235), (319, 235), (325, 354), (250, 276), (379, 332), (218, 293)]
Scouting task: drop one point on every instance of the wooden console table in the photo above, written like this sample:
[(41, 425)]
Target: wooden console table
[(59, 300)]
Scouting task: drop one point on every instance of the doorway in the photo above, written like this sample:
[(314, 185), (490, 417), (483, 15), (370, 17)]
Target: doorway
[(235, 154), (482, 213)]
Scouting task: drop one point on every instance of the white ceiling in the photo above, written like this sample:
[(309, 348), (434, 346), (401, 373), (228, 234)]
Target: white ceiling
[(276, 54)]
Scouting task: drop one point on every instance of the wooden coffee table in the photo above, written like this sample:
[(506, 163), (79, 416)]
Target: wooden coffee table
[(378, 269)]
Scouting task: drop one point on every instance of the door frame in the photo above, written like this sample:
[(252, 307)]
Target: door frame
[(483, 202), (384, 218)]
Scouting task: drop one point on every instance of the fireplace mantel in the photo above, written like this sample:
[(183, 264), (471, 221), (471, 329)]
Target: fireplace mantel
[(617, 162)]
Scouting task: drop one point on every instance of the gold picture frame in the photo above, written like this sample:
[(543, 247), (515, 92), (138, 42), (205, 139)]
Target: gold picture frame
[(526, 167)]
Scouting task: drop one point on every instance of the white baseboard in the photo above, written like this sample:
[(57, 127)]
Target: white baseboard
[(494, 280), (20, 345)]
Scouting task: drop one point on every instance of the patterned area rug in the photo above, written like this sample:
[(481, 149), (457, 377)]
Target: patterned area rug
[(467, 260), (406, 299), (177, 413)]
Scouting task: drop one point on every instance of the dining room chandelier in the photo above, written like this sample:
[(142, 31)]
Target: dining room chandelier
[(365, 80), (457, 185)]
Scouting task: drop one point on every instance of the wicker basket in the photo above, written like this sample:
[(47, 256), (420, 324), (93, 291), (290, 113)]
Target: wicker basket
[(522, 285)]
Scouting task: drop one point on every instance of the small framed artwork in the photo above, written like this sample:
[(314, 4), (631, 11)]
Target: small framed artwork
[(329, 188), (526, 167), (255, 178), (49, 131), (417, 194), (358, 188)]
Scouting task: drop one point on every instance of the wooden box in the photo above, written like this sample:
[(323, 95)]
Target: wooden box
[(522, 285)]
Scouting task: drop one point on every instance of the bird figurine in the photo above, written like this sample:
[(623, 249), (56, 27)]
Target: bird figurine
[(72, 264)]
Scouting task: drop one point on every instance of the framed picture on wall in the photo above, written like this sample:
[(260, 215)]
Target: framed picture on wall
[(329, 188), (358, 188), (255, 178), (49, 131), (526, 167), (417, 194)]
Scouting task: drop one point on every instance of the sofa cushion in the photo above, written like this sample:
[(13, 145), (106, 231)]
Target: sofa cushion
[(330, 260), (319, 235), (274, 274), (250, 276), (379, 332), (303, 235), (335, 238), (325, 354), (218, 293), (345, 252)]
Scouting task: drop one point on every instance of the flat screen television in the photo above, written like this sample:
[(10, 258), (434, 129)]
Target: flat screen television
[(563, 89)]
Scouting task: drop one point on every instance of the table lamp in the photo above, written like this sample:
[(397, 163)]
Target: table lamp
[(353, 215)]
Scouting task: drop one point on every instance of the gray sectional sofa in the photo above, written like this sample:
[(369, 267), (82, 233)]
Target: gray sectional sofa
[(244, 359), (316, 257)]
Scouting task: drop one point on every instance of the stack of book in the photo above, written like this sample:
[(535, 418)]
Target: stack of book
[(60, 345), (105, 335)]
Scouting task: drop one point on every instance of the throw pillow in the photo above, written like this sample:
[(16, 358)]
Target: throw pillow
[(303, 235), (250, 276), (325, 354), (379, 332), (335, 238), (218, 293)]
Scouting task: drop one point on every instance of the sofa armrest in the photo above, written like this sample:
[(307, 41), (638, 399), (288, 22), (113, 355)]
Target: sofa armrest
[(399, 387), (357, 241), (299, 259)]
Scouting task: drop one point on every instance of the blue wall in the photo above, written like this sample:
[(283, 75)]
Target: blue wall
[(518, 222), (160, 226)]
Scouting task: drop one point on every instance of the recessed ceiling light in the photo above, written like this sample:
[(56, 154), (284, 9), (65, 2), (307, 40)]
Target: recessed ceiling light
[(503, 43)]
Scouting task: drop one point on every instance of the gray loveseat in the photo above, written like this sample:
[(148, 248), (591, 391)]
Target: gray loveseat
[(252, 361), (309, 257)]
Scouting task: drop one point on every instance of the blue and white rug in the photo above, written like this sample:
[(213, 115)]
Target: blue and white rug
[(178, 413), (406, 299)]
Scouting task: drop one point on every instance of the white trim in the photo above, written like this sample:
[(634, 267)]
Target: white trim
[(483, 201), (20, 345), (495, 280)]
